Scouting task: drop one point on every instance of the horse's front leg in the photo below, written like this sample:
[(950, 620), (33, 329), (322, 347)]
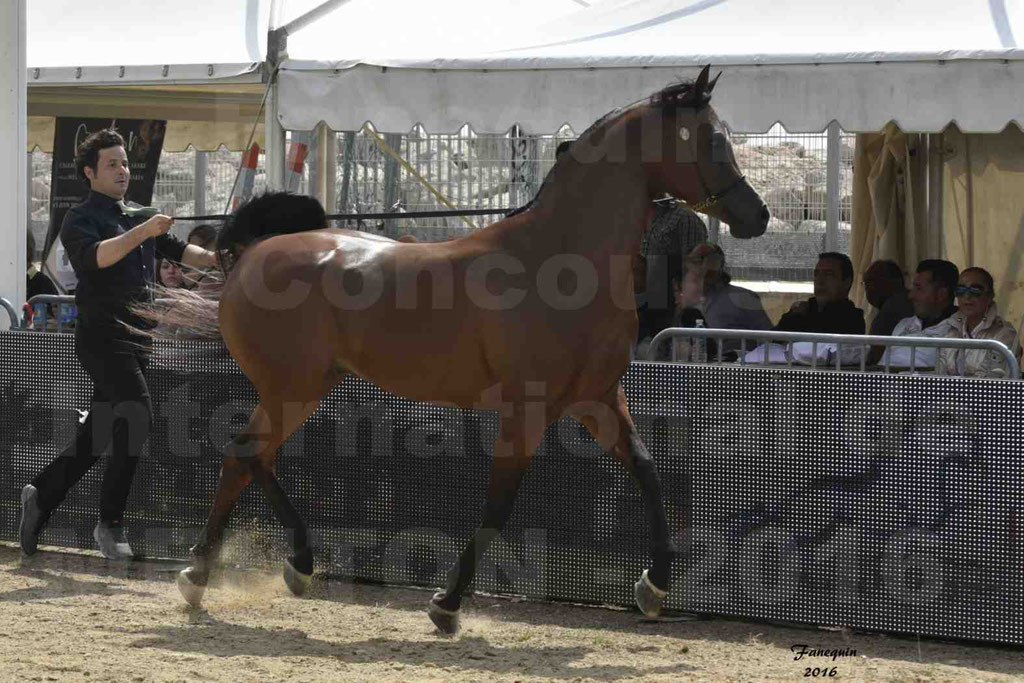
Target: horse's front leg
[(615, 432), (513, 449)]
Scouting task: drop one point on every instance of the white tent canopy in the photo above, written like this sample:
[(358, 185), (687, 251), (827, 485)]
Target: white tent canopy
[(921, 63), (76, 43), (202, 72)]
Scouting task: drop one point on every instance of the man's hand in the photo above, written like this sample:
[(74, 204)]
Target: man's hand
[(112, 250), (800, 308), (157, 225)]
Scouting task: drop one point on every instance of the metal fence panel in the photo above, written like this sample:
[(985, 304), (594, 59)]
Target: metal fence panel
[(870, 501)]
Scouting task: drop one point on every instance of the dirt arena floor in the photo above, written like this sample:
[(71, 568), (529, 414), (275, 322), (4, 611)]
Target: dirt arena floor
[(76, 617)]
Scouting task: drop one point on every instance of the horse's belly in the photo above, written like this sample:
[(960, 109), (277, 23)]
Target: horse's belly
[(427, 380)]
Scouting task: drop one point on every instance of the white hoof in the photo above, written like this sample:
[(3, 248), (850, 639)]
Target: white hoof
[(192, 592), (446, 621), (649, 598), (296, 581)]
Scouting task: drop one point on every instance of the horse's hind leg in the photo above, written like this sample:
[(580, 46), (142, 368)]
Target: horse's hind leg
[(249, 454), (298, 569), (616, 432), (235, 474), (513, 449)]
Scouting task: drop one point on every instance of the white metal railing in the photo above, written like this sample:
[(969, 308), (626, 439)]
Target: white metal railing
[(40, 303), (11, 312), (858, 343)]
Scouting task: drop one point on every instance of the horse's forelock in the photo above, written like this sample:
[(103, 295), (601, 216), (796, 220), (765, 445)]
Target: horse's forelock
[(682, 94)]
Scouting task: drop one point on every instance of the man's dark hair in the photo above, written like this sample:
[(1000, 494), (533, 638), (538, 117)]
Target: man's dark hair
[(845, 264), (206, 233), (985, 275), (88, 153), (890, 270), (944, 273)]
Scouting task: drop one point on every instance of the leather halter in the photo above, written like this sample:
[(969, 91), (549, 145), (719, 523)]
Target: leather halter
[(712, 199)]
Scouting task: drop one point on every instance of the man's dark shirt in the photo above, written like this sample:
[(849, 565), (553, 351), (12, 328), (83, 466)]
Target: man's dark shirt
[(838, 317), (103, 295), (950, 310)]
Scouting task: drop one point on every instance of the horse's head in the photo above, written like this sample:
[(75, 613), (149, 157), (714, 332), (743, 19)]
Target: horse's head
[(687, 154)]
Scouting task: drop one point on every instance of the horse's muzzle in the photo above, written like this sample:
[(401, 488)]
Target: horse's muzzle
[(748, 215)]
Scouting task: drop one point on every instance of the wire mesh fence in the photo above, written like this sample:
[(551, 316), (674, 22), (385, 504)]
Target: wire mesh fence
[(789, 172), (474, 171), (466, 170), (421, 171)]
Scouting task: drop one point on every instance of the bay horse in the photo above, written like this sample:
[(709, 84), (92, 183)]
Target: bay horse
[(532, 316)]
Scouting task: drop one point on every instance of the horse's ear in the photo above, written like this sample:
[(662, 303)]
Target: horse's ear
[(702, 81), (711, 85)]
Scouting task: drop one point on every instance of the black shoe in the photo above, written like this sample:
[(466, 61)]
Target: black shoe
[(111, 539), (33, 519)]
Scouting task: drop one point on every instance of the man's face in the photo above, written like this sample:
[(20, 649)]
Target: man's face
[(111, 176), (928, 297), (876, 286), (829, 285)]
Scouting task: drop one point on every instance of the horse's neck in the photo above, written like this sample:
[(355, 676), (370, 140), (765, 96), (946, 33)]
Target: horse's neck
[(592, 209)]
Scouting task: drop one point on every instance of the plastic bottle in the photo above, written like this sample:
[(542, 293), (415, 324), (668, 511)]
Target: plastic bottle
[(700, 345)]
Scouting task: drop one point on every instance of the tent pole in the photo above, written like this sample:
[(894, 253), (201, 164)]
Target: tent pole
[(13, 143), (330, 162), (199, 183), (277, 51), (970, 200), (936, 243), (312, 16), (275, 136), (832, 188)]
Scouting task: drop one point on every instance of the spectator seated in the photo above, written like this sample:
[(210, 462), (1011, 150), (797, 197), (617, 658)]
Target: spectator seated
[(932, 295), (830, 309)]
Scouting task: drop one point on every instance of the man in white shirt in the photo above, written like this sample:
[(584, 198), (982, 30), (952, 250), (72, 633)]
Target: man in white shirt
[(933, 295)]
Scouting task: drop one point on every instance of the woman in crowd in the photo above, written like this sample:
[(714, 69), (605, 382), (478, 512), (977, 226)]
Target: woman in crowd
[(169, 274), (977, 317)]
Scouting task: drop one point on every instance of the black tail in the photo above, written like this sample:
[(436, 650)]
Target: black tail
[(265, 215), (185, 314)]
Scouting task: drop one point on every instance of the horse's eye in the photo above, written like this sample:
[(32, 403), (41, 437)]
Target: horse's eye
[(684, 133)]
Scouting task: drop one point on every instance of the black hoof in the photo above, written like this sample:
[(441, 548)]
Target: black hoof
[(446, 621), (297, 582), (649, 598), (192, 585)]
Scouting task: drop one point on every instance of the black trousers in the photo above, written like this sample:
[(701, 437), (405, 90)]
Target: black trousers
[(120, 417)]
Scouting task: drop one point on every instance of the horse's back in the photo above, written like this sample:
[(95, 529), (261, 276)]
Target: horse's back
[(392, 312)]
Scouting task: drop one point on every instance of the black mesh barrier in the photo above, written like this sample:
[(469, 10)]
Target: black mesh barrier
[(884, 502)]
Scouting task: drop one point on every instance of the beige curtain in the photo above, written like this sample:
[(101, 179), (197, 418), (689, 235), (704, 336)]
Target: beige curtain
[(983, 210), (889, 220)]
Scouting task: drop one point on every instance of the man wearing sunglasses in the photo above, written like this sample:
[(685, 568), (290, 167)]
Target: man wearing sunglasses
[(977, 317), (932, 294)]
